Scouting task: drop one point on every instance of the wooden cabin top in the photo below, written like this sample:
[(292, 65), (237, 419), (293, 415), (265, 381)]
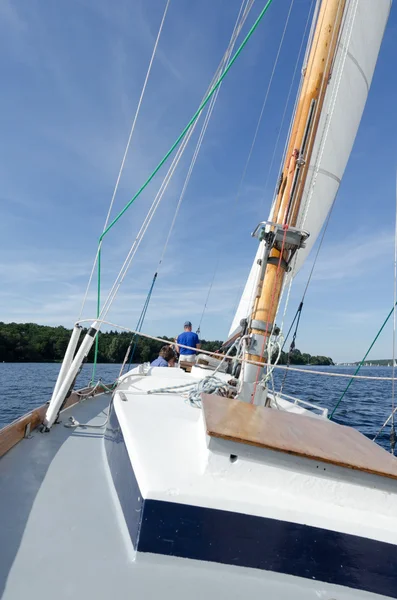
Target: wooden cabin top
[(300, 435)]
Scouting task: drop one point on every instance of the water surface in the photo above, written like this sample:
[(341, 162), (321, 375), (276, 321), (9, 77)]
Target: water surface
[(24, 386)]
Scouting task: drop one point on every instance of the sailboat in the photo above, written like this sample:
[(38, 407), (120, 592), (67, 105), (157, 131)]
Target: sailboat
[(201, 481)]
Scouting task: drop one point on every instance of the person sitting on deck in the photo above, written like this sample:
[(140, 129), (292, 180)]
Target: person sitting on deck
[(187, 338), (166, 358)]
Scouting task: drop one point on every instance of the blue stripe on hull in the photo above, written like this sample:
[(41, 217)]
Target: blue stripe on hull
[(231, 538)]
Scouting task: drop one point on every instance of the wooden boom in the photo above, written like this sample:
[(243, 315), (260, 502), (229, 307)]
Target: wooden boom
[(297, 160)]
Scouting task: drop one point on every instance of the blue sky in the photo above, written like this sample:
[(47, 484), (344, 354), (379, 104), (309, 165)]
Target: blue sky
[(72, 73)]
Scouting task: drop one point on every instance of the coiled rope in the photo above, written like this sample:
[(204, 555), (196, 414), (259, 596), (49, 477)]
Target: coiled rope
[(209, 385)]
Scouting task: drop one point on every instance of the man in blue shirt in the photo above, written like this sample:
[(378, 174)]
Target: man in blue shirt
[(187, 338)]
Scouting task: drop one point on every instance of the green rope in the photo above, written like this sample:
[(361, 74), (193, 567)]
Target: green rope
[(192, 120), (170, 151), (98, 304), (362, 362)]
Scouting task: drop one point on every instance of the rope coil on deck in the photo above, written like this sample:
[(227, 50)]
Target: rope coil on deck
[(209, 385)]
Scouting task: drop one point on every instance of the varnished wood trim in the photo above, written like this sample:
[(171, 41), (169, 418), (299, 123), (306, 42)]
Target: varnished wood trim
[(299, 435), (13, 433)]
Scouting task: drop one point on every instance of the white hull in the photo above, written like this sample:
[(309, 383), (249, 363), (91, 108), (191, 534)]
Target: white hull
[(265, 510), (69, 508)]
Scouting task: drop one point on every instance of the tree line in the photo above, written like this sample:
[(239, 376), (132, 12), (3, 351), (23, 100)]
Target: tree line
[(29, 342)]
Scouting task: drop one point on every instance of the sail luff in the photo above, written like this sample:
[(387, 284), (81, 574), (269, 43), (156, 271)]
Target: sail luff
[(346, 94)]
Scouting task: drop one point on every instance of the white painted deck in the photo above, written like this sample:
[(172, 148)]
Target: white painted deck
[(63, 533), (174, 463)]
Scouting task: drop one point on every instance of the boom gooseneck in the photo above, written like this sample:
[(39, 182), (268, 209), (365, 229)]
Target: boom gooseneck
[(281, 237)]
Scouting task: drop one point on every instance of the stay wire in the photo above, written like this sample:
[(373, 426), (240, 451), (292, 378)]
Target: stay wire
[(192, 120), (296, 318), (138, 108), (254, 142), (241, 18), (142, 319), (280, 127), (183, 133), (264, 104), (362, 361), (313, 181), (300, 307), (297, 62), (244, 11), (393, 430)]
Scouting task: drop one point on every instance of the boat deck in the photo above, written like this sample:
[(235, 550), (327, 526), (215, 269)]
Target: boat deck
[(63, 533)]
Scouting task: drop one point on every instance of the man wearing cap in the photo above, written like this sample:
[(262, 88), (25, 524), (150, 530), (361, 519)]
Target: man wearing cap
[(187, 338)]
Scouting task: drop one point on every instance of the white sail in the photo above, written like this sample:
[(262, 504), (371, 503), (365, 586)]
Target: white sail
[(355, 60)]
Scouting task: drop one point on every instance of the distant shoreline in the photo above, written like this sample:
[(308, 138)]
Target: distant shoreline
[(33, 343)]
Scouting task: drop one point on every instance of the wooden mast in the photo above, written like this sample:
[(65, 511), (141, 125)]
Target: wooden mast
[(292, 181)]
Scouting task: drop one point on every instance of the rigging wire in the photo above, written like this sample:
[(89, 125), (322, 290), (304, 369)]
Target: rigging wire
[(323, 139), (331, 108), (289, 95), (244, 11), (242, 360), (103, 312), (338, 77), (257, 131), (241, 18), (245, 8), (354, 376), (208, 297), (193, 118), (137, 111), (264, 103), (323, 83), (393, 430), (184, 138), (300, 307), (134, 340), (280, 129)]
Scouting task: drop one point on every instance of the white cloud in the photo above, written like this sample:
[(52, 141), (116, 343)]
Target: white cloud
[(351, 258)]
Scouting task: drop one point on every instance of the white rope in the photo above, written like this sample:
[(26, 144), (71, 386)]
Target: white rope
[(209, 385), (263, 105), (221, 356), (124, 269)]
